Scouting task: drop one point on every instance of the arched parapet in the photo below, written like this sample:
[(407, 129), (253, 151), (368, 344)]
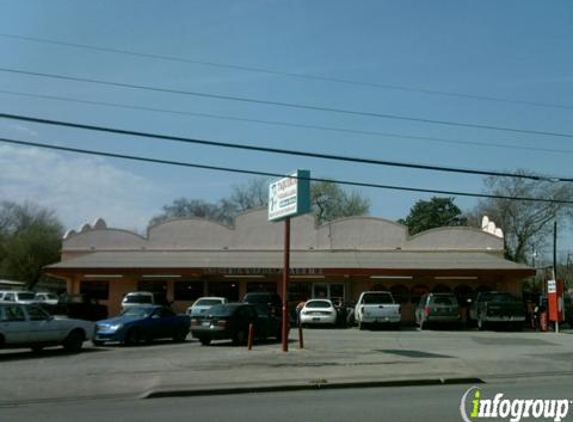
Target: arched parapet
[(189, 233), (457, 238), (253, 230), (362, 233)]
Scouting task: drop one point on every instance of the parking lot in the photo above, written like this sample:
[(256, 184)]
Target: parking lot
[(329, 356)]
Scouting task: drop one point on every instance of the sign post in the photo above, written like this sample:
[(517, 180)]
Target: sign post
[(288, 197)]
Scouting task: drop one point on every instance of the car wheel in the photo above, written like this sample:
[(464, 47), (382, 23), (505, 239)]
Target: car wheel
[(180, 335), (131, 338), (240, 338), (205, 341), (37, 348), (74, 341)]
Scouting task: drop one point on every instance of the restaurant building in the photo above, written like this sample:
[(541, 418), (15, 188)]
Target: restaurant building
[(188, 258)]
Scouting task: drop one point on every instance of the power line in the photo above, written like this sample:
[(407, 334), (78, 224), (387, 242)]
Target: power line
[(324, 156), (287, 105), (275, 72), (276, 175), (289, 124)]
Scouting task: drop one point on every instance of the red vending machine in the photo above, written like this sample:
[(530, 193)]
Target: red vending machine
[(555, 301)]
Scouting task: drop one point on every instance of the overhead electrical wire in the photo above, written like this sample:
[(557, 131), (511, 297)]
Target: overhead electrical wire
[(285, 104), (296, 75), (242, 146), (288, 124), (276, 175)]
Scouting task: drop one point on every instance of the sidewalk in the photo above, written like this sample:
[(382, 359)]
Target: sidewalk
[(330, 358)]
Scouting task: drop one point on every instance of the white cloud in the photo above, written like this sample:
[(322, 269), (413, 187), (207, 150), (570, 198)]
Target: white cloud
[(79, 189)]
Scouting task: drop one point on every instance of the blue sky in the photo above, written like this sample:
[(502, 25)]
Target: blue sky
[(516, 50)]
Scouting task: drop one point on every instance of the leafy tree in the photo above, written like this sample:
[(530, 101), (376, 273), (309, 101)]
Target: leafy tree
[(526, 224), (30, 238), (437, 212), (331, 202)]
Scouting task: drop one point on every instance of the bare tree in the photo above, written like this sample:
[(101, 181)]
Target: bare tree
[(525, 223)]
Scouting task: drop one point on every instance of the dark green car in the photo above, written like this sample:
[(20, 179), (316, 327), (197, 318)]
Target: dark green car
[(438, 309), (230, 321)]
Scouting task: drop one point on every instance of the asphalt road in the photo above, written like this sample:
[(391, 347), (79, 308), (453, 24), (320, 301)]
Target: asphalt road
[(428, 404)]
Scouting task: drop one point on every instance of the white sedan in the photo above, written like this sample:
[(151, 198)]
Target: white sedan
[(318, 312), (30, 326), (203, 304)]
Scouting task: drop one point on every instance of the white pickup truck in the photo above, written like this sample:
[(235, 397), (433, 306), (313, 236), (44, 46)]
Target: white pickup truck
[(31, 326), (377, 308)]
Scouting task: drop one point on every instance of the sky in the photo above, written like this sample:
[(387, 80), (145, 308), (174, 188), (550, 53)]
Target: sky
[(499, 64)]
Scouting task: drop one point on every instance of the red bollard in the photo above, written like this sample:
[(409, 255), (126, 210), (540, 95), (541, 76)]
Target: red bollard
[(251, 336), (300, 337), (543, 321)]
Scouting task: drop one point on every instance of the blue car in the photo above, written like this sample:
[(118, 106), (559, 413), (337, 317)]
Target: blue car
[(142, 323)]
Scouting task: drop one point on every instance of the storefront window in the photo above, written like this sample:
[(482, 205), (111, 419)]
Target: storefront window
[(440, 288), (401, 293), (230, 290), (95, 289), (187, 290), (463, 292), (417, 292)]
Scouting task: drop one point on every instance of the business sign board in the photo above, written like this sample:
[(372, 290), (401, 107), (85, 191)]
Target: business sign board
[(290, 196)]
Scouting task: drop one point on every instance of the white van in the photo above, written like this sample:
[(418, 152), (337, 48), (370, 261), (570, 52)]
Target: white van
[(19, 296)]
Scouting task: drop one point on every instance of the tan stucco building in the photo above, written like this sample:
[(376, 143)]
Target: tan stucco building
[(189, 258)]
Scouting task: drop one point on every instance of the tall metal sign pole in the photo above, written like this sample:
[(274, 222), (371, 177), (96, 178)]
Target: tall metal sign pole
[(286, 271), (288, 197)]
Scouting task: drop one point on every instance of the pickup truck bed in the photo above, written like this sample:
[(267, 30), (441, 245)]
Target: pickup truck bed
[(377, 308)]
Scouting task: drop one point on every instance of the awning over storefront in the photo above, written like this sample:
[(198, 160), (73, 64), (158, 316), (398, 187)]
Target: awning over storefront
[(305, 262)]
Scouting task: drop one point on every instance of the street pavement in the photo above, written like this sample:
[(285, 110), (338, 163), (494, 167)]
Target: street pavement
[(396, 404), (331, 358)]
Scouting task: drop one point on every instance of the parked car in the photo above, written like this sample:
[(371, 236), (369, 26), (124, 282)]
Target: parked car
[(497, 308), (272, 300), (437, 308), (377, 307), (143, 298), (142, 323), (19, 296), (203, 304), (231, 321), (45, 297), (78, 306), (318, 312), (30, 326)]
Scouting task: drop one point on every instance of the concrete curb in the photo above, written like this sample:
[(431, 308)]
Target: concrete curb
[(313, 385)]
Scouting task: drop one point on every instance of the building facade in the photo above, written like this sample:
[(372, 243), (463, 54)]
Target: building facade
[(188, 258)]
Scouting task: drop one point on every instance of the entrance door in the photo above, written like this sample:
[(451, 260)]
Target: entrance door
[(332, 291)]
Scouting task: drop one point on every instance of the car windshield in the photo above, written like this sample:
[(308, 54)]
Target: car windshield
[(499, 297), (318, 304), (138, 299), (26, 296), (138, 311), (377, 298), (222, 310), (258, 299), (443, 300), (207, 302)]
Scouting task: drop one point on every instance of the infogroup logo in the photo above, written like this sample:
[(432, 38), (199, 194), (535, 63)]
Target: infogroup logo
[(475, 407)]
